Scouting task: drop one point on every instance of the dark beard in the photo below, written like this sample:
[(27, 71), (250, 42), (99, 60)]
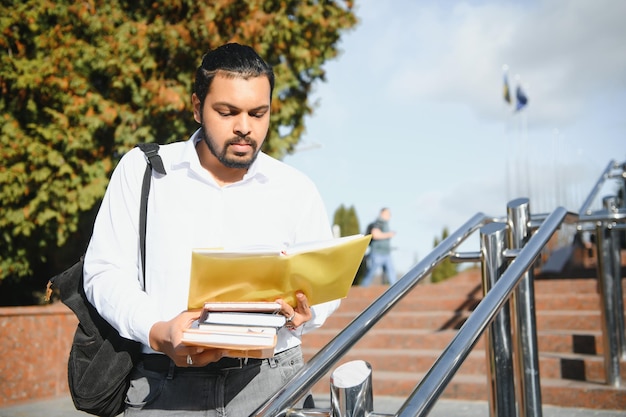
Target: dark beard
[(223, 158)]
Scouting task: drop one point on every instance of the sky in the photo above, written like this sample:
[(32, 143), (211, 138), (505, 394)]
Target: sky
[(412, 115)]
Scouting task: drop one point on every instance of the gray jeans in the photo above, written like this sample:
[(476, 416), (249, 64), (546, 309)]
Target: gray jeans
[(222, 389)]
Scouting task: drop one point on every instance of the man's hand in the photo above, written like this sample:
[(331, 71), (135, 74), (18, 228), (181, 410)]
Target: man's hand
[(165, 336), (296, 316)]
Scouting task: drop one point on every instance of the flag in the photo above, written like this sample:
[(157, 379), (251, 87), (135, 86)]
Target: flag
[(507, 93), (521, 98)]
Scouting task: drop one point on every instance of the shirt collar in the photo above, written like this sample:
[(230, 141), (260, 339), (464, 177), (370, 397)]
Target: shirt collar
[(259, 169)]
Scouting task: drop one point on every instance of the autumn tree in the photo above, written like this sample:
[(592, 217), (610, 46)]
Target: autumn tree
[(83, 82)]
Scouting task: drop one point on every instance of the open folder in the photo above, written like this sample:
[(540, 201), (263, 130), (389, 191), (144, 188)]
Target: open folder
[(323, 270)]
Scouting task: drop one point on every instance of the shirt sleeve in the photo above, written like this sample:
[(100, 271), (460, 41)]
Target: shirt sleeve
[(320, 313), (113, 280)]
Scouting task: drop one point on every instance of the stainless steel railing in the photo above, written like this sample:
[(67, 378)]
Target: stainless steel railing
[(605, 223), (440, 374), (509, 248), (329, 355)]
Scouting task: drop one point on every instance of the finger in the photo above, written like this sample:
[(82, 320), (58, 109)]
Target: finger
[(206, 357), (303, 302), (190, 315), (285, 309), (183, 360), (303, 306), (185, 319)]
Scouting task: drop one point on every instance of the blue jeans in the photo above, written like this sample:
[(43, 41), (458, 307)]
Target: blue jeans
[(212, 391), (378, 261)]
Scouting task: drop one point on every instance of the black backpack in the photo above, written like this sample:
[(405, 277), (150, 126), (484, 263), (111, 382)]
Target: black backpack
[(101, 360), (368, 229)]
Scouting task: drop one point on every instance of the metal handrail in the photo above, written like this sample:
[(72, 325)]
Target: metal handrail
[(329, 355), (432, 385), (584, 209)]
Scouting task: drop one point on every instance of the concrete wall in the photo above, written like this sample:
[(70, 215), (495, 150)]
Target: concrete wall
[(34, 345)]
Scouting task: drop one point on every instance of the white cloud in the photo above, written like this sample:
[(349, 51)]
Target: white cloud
[(565, 53)]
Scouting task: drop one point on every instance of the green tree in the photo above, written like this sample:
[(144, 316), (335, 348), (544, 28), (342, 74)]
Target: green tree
[(347, 220), (446, 268), (82, 82)]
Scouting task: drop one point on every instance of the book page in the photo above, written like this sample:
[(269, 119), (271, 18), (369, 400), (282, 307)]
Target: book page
[(229, 339), (243, 251), (318, 245), (245, 306), (243, 319)]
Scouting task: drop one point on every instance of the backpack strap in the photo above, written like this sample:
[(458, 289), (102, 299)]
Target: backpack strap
[(151, 150), (154, 162)]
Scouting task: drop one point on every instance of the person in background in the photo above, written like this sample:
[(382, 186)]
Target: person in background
[(220, 190), (379, 257)]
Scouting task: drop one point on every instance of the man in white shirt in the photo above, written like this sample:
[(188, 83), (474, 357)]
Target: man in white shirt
[(219, 191)]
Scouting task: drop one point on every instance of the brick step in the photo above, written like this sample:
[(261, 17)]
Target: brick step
[(573, 294), (356, 303), (557, 341), (571, 366), (566, 286), (433, 320), (557, 392), (406, 342), (471, 284), (588, 301), (563, 341), (440, 320), (569, 320), (420, 291), (396, 339)]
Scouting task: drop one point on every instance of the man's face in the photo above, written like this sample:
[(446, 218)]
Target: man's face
[(235, 118)]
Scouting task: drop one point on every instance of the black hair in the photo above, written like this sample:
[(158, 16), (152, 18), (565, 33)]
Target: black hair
[(230, 60)]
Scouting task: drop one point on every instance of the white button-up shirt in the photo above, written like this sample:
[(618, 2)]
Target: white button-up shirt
[(274, 204)]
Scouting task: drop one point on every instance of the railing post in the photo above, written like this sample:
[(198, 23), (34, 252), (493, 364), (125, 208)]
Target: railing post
[(611, 204), (606, 248), (351, 390), (525, 346), (498, 335)]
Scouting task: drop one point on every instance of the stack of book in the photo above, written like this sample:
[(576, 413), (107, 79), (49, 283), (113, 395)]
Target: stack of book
[(243, 329)]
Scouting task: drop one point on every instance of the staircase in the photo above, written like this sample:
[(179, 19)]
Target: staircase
[(405, 343)]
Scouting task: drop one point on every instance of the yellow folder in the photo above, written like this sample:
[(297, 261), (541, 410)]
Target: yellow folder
[(323, 270)]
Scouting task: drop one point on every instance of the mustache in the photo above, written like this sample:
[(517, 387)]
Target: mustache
[(237, 140)]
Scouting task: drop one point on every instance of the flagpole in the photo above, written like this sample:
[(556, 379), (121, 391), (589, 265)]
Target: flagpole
[(507, 136), (526, 155), (521, 102)]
